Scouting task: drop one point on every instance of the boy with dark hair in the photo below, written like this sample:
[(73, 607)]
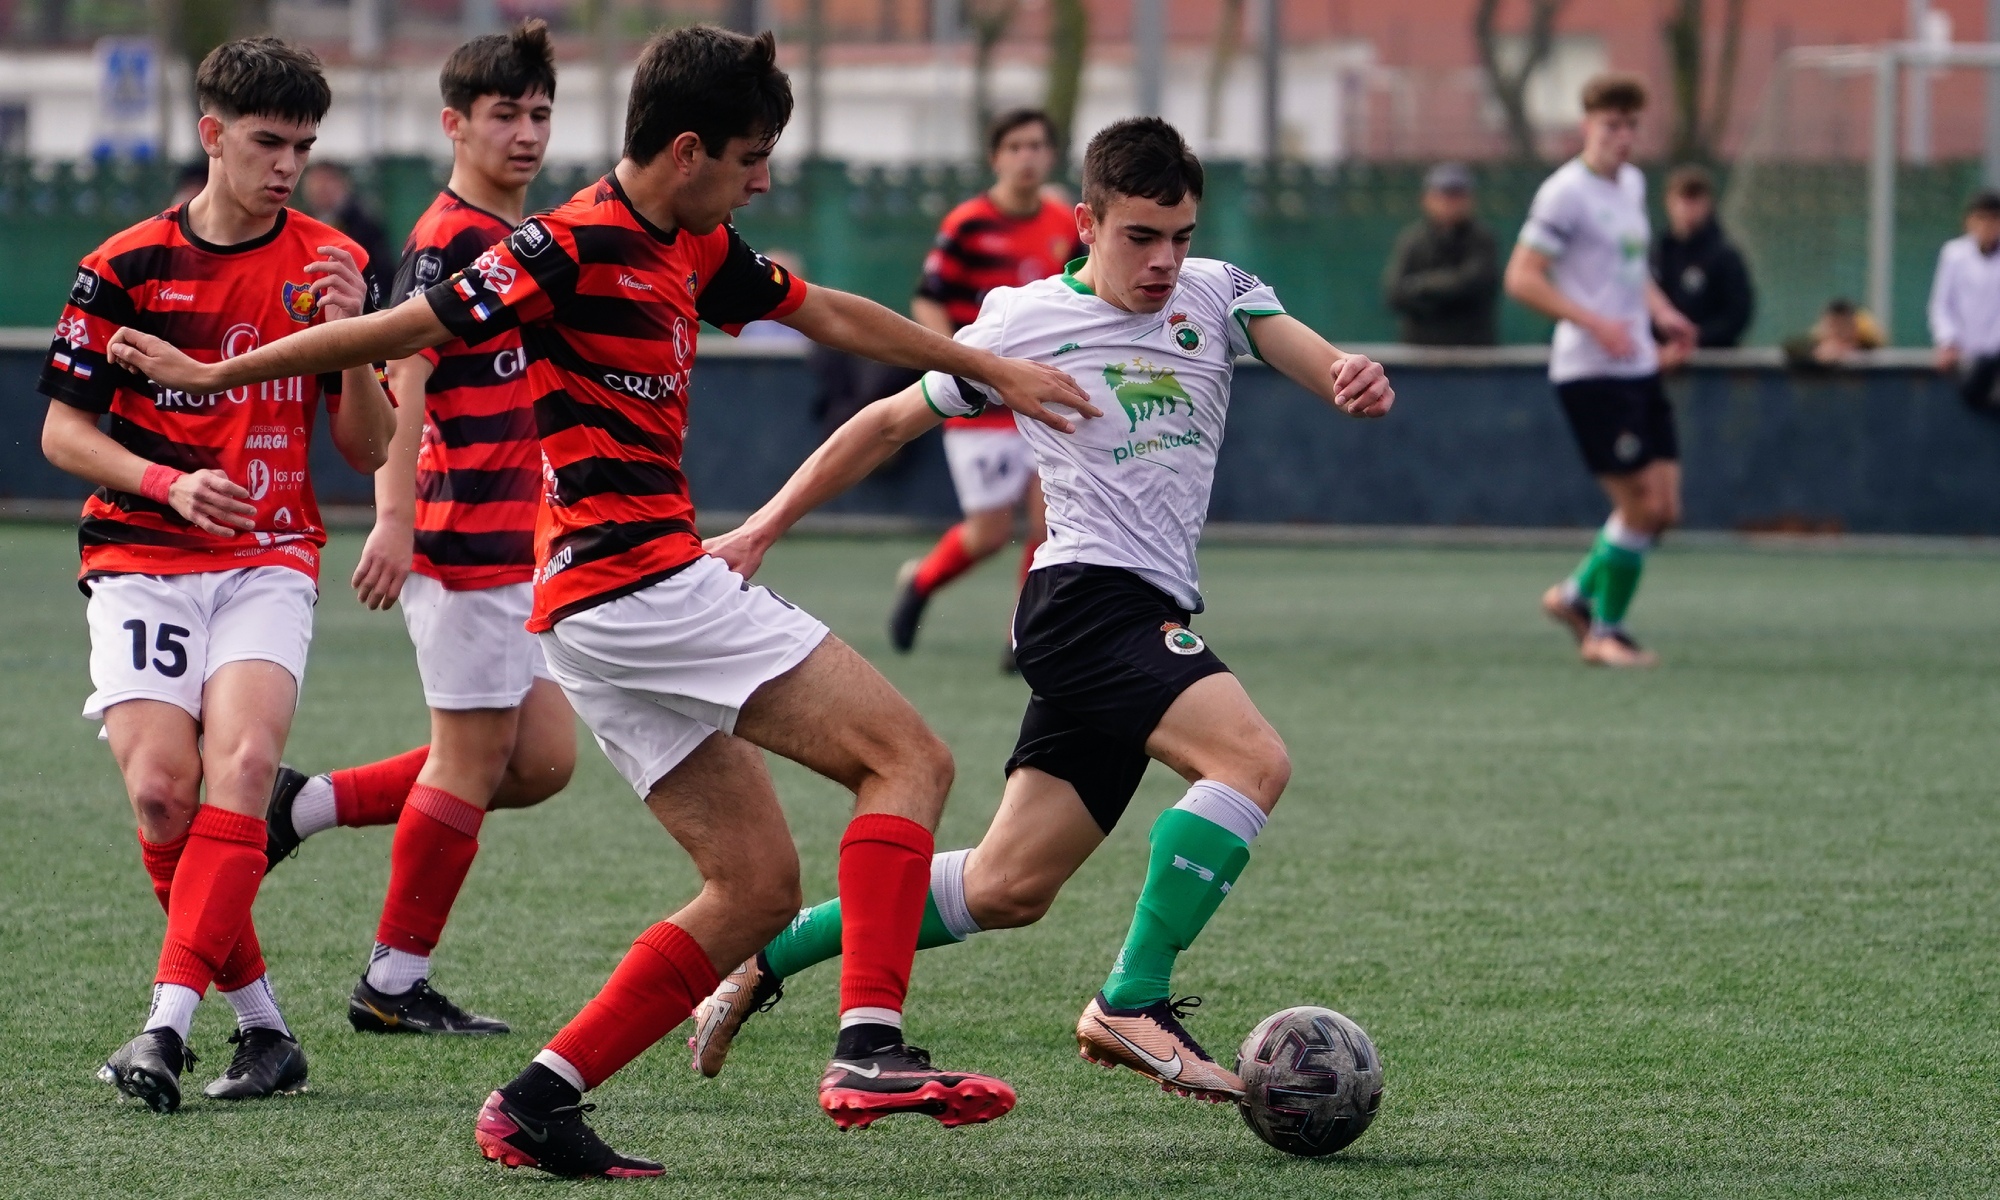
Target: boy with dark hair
[(1010, 234), (1101, 630), (1581, 259), (201, 544), (1964, 307), (681, 669), (1697, 268), (454, 541)]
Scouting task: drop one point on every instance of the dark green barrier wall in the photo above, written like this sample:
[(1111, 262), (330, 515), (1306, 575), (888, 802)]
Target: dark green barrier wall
[(1319, 235), (1878, 451)]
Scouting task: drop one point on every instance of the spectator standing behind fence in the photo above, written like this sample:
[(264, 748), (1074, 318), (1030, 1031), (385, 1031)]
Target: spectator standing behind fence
[(329, 196), (1965, 303), (1696, 265), (1443, 277)]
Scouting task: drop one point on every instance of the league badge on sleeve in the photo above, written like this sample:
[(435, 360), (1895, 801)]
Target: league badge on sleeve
[(300, 303), (84, 290), (531, 238)]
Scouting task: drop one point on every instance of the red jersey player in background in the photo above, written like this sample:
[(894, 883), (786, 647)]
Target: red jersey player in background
[(680, 667), (1010, 234), (201, 544), (454, 541)]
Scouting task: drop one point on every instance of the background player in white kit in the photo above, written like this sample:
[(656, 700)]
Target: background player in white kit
[(1582, 260), (1102, 627)]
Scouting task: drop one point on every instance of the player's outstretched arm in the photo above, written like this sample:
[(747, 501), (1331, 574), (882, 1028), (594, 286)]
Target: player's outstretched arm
[(335, 346), (1353, 383), (364, 423), (865, 442), (72, 442), (385, 557), (861, 326)]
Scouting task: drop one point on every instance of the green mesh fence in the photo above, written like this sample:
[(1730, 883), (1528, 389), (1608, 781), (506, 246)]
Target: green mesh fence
[(1319, 235)]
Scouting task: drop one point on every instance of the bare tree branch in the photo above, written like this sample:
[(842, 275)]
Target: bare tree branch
[(1510, 87)]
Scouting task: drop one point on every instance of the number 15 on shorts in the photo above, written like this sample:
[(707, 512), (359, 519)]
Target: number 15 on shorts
[(167, 651)]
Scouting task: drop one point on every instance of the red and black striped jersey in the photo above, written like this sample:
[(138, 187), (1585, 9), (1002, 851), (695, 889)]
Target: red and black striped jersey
[(479, 470), (212, 302), (606, 303), (979, 248)]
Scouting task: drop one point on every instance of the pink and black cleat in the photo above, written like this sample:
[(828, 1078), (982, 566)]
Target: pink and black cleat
[(556, 1141), (856, 1092)]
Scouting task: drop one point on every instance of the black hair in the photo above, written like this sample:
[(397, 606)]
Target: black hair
[(508, 64), (713, 83), (1614, 91), (1986, 204), (1690, 181), (1007, 122), (1839, 306), (262, 77), (1139, 156)]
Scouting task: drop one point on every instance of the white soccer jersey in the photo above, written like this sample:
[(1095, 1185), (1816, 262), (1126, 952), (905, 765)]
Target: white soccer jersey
[(1595, 232), (1130, 488)]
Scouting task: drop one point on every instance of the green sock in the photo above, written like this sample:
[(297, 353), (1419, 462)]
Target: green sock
[(1617, 580), (814, 936), (1194, 864), (1589, 574)]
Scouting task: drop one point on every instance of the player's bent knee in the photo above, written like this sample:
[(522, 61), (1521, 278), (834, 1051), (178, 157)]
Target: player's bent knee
[(1013, 904), (163, 801), (1269, 766)]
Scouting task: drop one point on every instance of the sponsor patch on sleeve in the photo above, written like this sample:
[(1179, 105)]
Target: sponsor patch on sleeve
[(531, 238), (84, 290)]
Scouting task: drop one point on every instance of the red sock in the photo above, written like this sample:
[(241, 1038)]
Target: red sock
[(214, 885), (946, 561), (654, 989), (245, 963), (373, 794), (885, 874), (436, 838), (1027, 560)]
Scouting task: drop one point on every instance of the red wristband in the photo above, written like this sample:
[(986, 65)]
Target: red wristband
[(158, 478)]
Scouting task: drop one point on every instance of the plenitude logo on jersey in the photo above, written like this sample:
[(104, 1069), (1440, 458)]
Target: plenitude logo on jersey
[(1147, 392)]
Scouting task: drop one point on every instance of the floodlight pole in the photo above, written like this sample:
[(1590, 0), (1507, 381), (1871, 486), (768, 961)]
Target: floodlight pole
[(1882, 191), (1149, 50)]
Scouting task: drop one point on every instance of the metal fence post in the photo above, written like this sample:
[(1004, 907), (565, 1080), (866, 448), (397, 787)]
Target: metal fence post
[(1882, 191)]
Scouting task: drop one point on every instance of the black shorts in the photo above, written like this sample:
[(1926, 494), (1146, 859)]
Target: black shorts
[(1107, 654), (1620, 424)]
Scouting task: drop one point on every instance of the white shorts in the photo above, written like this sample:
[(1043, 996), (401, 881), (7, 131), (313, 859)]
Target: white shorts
[(990, 468), (473, 647), (159, 637), (655, 673)]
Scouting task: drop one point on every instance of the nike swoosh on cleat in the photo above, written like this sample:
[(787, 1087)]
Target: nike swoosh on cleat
[(1168, 1068), (528, 1127), (870, 1073)]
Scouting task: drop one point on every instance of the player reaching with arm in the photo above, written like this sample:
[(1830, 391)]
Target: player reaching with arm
[(201, 544), (454, 543), (1102, 627), (1582, 260), (1012, 233), (681, 669)]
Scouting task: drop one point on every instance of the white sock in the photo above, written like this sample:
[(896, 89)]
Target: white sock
[(1225, 806), (393, 972), (871, 1016), (1623, 536), (313, 809), (256, 1006), (562, 1066), (948, 893), (173, 1008)]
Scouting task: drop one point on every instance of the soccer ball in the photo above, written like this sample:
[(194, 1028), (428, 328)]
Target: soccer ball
[(1311, 1080)]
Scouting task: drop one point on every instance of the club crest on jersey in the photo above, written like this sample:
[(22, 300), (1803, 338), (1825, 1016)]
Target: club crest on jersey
[(1186, 334), (1181, 639), (300, 303), (693, 282)]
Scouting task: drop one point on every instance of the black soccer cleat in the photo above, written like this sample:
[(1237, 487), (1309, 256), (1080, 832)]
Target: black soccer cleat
[(148, 1069), (555, 1140), (422, 1009), (268, 1062), (281, 841), (858, 1091), (909, 610)]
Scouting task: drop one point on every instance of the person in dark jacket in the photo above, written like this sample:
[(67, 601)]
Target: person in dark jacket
[(1697, 267), (328, 193), (1443, 277)]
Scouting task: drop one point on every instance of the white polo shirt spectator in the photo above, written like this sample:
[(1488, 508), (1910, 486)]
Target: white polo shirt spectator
[(1965, 299)]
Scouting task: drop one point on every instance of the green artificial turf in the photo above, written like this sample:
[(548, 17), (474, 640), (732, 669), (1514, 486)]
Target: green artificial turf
[(1724, 929)]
